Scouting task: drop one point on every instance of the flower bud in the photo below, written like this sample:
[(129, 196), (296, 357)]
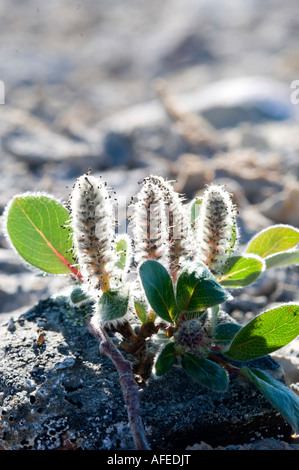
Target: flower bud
[(191, 337)]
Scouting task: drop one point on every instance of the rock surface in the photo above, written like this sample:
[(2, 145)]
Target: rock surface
[(58, 392)]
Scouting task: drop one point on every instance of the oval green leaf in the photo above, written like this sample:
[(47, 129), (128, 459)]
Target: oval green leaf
[(34, 226), (266, 333), (241, 271), (78, 297), (165, 359), (141, 309), (273, 240), (278, 394), (113, 304), (195, 206), (123, 251), (158, 289), (280, 260), (225, 332), (205, 372), (197, 289)]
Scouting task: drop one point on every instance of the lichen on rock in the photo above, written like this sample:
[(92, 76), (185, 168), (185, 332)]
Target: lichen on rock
[(58, 392)]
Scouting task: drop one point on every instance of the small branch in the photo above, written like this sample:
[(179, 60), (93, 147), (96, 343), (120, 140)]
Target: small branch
[(130, 390)]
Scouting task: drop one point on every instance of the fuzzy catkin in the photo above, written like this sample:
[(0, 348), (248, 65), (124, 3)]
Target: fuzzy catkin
[(177, 224), (93, 232), (216, 228), (149, 223)]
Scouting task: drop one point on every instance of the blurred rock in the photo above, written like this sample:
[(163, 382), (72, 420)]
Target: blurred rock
[(118, 149), (257, 173), (253, 99), (250, 137), (283, 207), (192, 173), (37, 148)]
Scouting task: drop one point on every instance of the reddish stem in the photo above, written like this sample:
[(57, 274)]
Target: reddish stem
[(130, 390), (229, 367)]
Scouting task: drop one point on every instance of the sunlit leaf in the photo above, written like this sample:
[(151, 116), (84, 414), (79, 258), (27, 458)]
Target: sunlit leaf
[(273, 240), (195, 206), (266, 333), (158, 288), (123, 250), (141, 309), (113, 304), (241, 271), (197, 289), (34, 226), (78, 297), (285, 258)]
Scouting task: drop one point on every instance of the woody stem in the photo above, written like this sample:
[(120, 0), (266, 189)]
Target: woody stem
[(130, 390)]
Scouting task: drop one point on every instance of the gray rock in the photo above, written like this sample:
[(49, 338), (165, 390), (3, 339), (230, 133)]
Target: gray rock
[(224, 103), (261, 444), (44, 147), (283, 207), (58, 392), (255, 99), (118, 149)]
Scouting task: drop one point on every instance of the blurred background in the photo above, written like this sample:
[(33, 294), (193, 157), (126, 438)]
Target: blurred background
[(198, 91)]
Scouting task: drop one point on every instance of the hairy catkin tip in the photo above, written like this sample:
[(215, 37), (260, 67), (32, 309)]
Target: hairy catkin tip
[(216, 228), (160, 224), (149, 223), (92, 220), (178, 224)]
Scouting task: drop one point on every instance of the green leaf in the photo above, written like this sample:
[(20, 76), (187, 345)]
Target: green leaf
[(195, 206), (113, 304), (34, 227), (197, 289), (205, 372), (273, 240), (141, 309), (78, 296), (278, 394), (234, 233), (123, 250), (241, 271), (225, 332), (158, 289), (266, 333), (165, 359), (285, 258)]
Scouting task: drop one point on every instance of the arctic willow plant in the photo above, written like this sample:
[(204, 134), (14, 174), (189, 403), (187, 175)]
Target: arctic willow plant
[(170, 278)]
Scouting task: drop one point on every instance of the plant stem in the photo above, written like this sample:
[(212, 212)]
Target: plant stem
[(130, 390), (229, 367)]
